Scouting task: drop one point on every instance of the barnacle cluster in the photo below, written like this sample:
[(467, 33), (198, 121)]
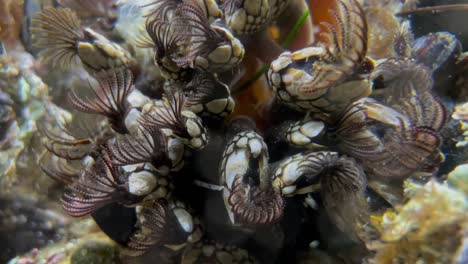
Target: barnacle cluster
[(148, 141)]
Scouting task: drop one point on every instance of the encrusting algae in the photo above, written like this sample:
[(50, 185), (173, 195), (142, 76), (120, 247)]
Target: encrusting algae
[(87, 247), (233, 131), (431, 227)]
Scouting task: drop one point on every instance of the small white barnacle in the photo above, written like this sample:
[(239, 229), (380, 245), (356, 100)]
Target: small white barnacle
[(193, 128), (131, 120), (246, 17), (137, 99), (197, 132), (207, 96), (227, 53), (217, 106), (185, 219), (141, 183)]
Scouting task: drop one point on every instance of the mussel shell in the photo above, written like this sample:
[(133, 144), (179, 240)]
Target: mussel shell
[(440, 52), (427, 22), (436, 49)]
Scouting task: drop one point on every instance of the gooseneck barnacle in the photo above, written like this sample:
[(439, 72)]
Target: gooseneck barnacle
[(147, 141), (322, 78), (162, 223), (244, 162), (75, 139), (107, 98), (61, 38), (339, 179), (207, 96), (187, 39), (57, 40)]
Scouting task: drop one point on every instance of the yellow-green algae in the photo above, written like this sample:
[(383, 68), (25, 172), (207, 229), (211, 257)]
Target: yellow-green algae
[(431, 227), (458, 178)]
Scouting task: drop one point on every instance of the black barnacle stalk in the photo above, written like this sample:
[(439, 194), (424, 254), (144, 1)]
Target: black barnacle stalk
[(108, 98)]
